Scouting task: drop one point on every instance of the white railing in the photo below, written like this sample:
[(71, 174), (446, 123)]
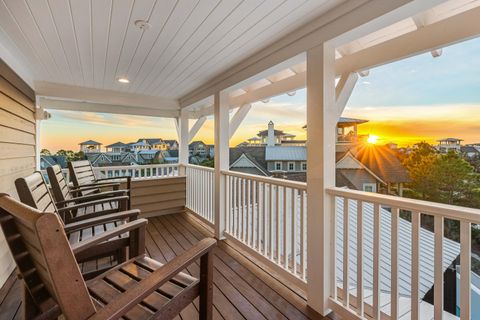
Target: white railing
[(200, 191), (378, 254), (269, 216), (138, 171)]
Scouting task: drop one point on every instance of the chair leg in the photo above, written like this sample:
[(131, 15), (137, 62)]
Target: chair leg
[(206, 286)]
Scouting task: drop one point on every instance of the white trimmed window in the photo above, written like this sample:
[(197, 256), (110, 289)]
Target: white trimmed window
[(291, 166), (369, 187), (278, 166), (304, 166)]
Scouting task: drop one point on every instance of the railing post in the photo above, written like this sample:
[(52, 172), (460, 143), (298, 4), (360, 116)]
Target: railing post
[(183, 154), (321, 123), (221, 160)]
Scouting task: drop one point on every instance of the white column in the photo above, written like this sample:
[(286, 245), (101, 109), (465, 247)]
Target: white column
[(221, 159), (321, 123), (183, 138)]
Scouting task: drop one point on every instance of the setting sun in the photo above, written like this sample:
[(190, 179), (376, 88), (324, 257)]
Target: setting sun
[(372, 139)]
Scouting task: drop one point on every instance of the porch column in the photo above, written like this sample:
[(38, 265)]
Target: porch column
[(321, 123), (183, 137), (222, 137)]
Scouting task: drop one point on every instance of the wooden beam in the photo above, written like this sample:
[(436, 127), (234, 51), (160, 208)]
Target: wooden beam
[(344, 23), (321, 122), (47, 103), (440, 34), (196, 127), (344, 90), (222, 161), (109, 97), (183, 153), (238, 118)]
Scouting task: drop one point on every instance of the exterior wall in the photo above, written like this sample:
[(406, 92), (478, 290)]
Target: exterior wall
[(297, 164), (17, 144), (160, 196), (358, 177)]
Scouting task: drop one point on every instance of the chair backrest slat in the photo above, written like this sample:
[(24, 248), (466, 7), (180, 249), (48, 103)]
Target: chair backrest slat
[(42, 246), (33, 191), (58, 183), (81, 172)]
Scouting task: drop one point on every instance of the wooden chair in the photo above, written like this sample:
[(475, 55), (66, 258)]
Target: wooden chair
[(140, 288), (83, 175), (33, 191), (64, 196)]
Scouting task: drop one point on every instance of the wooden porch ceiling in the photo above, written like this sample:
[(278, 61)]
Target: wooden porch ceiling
[(242, 290)]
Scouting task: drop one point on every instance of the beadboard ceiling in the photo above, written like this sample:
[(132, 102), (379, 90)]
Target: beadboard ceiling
[(90, 43)]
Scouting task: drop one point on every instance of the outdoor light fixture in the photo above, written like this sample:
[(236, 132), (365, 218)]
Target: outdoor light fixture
[(291, 93), (266, 100), (123, 80), (436, 53), (364, 73), (142, 24)]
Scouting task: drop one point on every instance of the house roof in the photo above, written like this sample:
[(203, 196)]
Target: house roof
[(196, 143), (254, 154), (290, 153), (90, 142), (53, 160), (451, 250), (347, 122), (469, 149), (342, 181), (264, 133), (150, 140), (170, 141), (173, 153), (450, 140), (116, 144), (384, 162)]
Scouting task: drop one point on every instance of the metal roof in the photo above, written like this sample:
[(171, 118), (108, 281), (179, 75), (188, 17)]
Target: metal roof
[(451, 250), (289, 153)]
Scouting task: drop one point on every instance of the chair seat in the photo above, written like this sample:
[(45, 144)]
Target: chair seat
[(163, 303)]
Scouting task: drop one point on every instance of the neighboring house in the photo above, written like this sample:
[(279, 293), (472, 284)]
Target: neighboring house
[(48, 161), (198, 148), (272, 137), (149, 157), (172, 144), (470, 151), (448, 144), (99, 159), (249, 160), (90, 146), (117, 147), (283, 161)]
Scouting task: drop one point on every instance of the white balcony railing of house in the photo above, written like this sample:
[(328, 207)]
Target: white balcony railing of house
[(269, 216), (371, 222), (200, 191)]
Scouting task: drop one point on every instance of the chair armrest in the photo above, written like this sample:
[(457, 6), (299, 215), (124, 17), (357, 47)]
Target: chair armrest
[(124, 215), (114, 178), (92, 203), (156, 279), (87, 244), (94, 196), (90, 186)]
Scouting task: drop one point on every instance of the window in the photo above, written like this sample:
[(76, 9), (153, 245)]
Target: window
[(304, 166), (370, 187), (291, 166), (278, 166)]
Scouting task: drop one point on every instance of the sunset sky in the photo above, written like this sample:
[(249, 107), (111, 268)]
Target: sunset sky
[(420, 98)]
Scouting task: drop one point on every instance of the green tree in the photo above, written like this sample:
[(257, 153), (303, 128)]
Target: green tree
[(69, 154), (45, 152)]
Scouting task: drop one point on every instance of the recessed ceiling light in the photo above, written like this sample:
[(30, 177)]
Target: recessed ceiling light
[(123, 80)]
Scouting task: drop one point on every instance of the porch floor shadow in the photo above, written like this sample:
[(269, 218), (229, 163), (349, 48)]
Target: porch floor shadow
[(242, 290)]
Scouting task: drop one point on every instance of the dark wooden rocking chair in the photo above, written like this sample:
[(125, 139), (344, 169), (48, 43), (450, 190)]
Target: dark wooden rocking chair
[(140, 288), (80, 224), (65, 196)]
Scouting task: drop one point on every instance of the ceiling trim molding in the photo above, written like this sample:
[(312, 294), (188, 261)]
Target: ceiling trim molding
[(70, 105), (101, 96)]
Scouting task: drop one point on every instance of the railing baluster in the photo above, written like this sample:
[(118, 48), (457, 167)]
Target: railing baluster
[(415, 277), (465, 273), (394, 261), (248, 213), (277, 233), (360, 258), (346, 231), (438, 268), (303, 235), (255, 215), (260, 210), (270, 232), (293, 244), (333, 239), (243, 209), (285, 234), (376, 261)]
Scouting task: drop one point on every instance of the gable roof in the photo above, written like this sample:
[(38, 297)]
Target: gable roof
[(384, 162), (117, 144), (170, 142), (286, 153), (254, 154), (53, 160), (469, 149), (252, 164), (90, 142), (276, 132), (194, 144)]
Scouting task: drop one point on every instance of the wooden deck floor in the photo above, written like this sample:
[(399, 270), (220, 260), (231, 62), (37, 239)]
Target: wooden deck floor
[(242, 290)]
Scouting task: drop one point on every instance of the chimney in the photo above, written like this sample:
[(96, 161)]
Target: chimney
[(271, 134)]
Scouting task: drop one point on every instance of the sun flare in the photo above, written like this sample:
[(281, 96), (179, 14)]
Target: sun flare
[(372, 139)]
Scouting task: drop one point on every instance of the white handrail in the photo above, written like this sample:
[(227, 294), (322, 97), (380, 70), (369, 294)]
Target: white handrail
[(268, 216), (138, 171), (383, 210)]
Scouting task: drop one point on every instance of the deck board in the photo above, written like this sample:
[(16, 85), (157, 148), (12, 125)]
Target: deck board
[(241, 289)]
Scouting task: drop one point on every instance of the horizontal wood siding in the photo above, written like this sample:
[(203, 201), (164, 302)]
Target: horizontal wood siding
[(159, 196), (17, 144)]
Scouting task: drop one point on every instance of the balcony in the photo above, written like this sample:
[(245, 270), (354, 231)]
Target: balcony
[(287, 249)]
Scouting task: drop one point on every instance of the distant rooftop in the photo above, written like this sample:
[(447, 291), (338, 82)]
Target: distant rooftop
[(90, 142)]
